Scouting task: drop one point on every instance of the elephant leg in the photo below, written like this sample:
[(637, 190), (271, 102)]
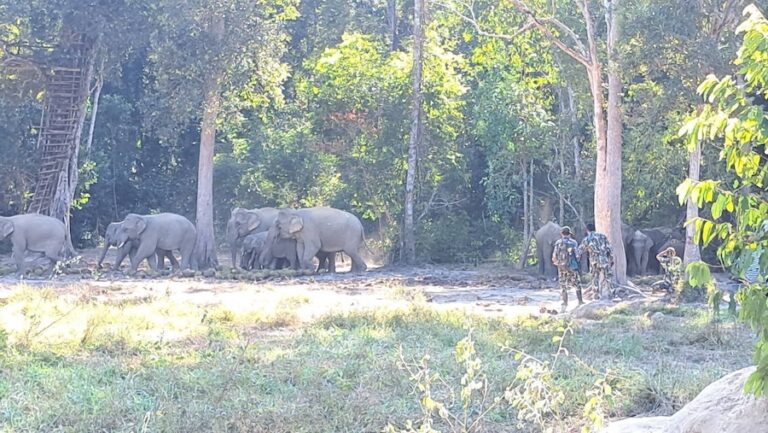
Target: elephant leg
[(172, 259), (143, 252), (152, 260), (245, 260), (122, 252), (53, 255), (358, 264), (332, 263)]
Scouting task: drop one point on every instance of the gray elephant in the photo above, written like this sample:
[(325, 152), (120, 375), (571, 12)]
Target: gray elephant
[(129, 249), (638, 252), (37, 234), (243, 222), (279, 250), (322, 229), (677, 244), (165, 231), (253, 246), (546, 236)]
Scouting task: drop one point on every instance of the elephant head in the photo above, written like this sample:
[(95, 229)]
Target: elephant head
[(6, 228), (111, 237), (289, 224), (245, 221), (640, 246), (130, 229)]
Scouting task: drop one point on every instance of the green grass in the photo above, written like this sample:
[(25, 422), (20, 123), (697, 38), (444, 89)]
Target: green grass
[(73, 364)]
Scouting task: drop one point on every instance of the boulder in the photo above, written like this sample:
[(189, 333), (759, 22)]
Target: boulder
[(722, 407)]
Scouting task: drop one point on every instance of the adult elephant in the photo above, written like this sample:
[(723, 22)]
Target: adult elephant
[(546, 236), (243, 222), (165, 231), (322, 229), (278, 249), (130, 248), (37, 234), (638, 253), (677, 245)]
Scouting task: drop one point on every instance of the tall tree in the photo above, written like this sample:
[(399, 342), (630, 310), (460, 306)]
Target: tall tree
[(409, 237), (607, 118), (205, 52)]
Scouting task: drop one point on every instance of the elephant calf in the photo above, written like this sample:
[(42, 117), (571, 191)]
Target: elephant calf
[(36, 233), (253, 246)]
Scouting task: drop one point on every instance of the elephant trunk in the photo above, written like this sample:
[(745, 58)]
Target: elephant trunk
[(232, 240), (103, 254)]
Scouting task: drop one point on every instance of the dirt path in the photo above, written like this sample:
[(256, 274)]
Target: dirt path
[(486, 289)]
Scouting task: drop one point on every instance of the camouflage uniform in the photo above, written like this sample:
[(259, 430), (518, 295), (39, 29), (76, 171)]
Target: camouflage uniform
[(673, 270), (567, 278), (600, 258)]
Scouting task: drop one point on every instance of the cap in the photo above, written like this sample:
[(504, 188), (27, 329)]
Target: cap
[(565, 230)]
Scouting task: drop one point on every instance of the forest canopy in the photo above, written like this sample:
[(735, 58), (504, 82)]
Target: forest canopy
[(312, 103)]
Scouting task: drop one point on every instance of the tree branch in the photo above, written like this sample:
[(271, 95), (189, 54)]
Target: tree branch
[(579, 54)]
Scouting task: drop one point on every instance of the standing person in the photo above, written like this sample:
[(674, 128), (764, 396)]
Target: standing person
[(565, 259), (673, 268), (600, 260)]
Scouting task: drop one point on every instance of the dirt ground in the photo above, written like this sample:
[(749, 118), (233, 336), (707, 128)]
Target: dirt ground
[(486, 289)]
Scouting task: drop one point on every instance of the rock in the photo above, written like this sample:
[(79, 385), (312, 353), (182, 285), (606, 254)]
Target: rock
[(209, 273), (722, 407), (657, 318), (592, 310), (187, 273)]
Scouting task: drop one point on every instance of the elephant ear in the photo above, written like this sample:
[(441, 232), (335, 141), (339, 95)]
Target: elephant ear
[(135, 223), (295, 224), (6, 228)]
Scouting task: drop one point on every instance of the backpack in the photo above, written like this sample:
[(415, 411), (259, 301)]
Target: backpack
[(565, 254)]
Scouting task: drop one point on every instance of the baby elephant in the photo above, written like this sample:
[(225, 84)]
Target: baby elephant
[(38, 234), (253, 245)]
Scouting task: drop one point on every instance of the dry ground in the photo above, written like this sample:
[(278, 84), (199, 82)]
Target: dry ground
[(324, 353)]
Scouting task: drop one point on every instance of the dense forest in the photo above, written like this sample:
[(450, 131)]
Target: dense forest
[(311, 103)]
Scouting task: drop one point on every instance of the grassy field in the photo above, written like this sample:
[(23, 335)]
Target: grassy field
[(70, 363)]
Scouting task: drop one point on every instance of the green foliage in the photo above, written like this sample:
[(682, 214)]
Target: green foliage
[(735, 116)]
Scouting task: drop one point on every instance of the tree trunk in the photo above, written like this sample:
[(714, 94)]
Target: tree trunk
[(527, 210), (392, 21), (415, 140), (692, 251), (205, 249), (94, 113), (608, 168)]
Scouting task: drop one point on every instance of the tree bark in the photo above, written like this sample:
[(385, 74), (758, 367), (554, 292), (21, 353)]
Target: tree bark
[(608, 175), (692, 251), (415, 140), (392, 21), (527, 210), (205, 249)]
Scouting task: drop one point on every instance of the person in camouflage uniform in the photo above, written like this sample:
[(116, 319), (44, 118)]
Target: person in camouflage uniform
[(600, 253), (565, 259), (673, 268)]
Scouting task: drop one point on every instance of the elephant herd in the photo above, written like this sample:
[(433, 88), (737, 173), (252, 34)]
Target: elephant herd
[(641, 247), (268, 238)]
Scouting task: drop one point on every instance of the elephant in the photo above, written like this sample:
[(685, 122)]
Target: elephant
[(322, 229), (129, 248), (546, 236), (253, 246), (638, 253), (278, 249), (677, 244), (165, 231), (243, 222), (39, 234)]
